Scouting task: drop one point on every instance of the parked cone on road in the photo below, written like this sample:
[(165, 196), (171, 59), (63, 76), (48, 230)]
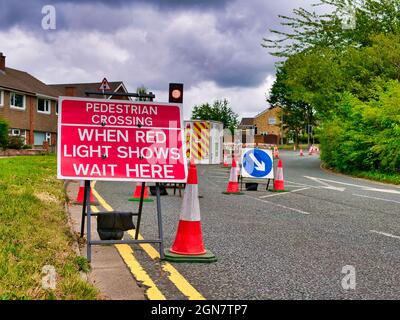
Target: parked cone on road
[(233, 184), (276, 153), (81, 193), (188, 245), (301, 153), (294, 148), (226, 160), (279, 184), (137, 193)]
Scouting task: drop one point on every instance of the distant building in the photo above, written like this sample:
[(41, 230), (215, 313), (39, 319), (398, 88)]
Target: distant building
[(31, 107), (265, 126)]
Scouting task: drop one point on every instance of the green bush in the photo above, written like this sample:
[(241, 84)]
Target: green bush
[(26, 146), (15, 143), (364, 136), (3, 134)]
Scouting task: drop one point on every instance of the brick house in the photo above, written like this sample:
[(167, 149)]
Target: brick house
[(31, 107), (266, 126)]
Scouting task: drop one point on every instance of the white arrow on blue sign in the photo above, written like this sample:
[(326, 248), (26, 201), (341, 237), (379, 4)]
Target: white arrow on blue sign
[(257, 163)]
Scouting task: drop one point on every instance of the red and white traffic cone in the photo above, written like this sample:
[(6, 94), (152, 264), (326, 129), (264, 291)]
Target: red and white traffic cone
[(310, 151), (276, 153), (279, 183), (233, 184), (188, 245), (81, 193), (226, 160), (301, 153), (137, 193)]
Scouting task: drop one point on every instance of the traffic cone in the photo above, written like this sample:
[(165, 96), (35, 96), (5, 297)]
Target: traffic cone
[(188, 245), (301, 153), (233, 184), (276, 153), (137, 193), (294, 148), (81, 193), (226, 160), (279, 184), (310, 151)]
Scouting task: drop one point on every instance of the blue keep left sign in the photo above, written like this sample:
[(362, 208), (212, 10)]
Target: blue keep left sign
[(257, 163)]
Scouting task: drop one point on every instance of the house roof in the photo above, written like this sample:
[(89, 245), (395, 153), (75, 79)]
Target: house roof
[(247, 122), (23, 81), (266, 110), (82, 87)]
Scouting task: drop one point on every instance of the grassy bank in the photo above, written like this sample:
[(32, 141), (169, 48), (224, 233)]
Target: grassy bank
[(34, 232), (370, 175)]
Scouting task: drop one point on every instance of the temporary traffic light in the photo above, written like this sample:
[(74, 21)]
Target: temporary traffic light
[(176, 92)]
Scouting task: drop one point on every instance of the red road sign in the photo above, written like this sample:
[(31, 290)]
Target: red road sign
[(120, 140), (105, 86)]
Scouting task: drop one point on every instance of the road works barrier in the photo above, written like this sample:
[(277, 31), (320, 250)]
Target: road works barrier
[(188, 245)]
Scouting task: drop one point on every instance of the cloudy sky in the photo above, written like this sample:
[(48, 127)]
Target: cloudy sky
[(212, 46)]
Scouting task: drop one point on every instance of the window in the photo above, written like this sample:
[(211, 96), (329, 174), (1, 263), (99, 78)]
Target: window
[(17, 101), (43, 106), (15, 132), (272, 120), (1, 98)]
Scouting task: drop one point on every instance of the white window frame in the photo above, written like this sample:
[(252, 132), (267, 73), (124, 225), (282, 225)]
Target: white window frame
[(23, 101), (1, 98), (56, 107), (272, 121), (14, 134), (48, 105)]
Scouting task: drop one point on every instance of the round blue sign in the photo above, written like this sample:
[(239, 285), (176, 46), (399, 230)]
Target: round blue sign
[(257, 163)]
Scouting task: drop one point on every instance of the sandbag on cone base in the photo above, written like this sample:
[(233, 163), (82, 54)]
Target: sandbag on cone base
[(138, 191), (207, 257)]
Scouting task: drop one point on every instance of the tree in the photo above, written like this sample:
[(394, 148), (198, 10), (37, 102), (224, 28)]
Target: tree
[(309, 29), (142, 90), (3, 133), (297, 114), (218, 111)]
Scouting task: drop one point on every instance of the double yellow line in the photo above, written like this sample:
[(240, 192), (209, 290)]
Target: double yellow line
[(127, 254)]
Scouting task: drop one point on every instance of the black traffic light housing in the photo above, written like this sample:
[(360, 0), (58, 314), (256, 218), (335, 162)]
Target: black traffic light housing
[(176, 92)]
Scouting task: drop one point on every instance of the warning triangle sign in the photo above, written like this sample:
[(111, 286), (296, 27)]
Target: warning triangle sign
[(105, 86)]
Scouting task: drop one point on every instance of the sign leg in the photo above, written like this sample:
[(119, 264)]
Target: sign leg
[(83, 213), (160, 230), (139, 218), (88, 216)]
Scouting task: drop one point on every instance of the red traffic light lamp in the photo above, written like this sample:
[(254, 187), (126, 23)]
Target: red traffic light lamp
[(176, 92)]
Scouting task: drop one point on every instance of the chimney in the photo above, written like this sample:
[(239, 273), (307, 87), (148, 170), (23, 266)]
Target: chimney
[(70, 91), (2, 62)]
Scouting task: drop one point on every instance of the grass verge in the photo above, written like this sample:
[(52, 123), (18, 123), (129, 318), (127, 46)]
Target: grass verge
[(34, 233), (370, 175)]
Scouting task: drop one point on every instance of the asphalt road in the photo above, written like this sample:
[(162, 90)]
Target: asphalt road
[(289, 245)]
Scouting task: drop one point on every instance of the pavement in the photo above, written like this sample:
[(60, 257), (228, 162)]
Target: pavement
[(292, 245), (108, 272)]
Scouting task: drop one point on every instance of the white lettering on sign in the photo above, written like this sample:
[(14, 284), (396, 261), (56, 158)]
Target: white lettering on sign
[(121, 140), (103, 135), (150, 171), (84, 151), (94, 170)]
